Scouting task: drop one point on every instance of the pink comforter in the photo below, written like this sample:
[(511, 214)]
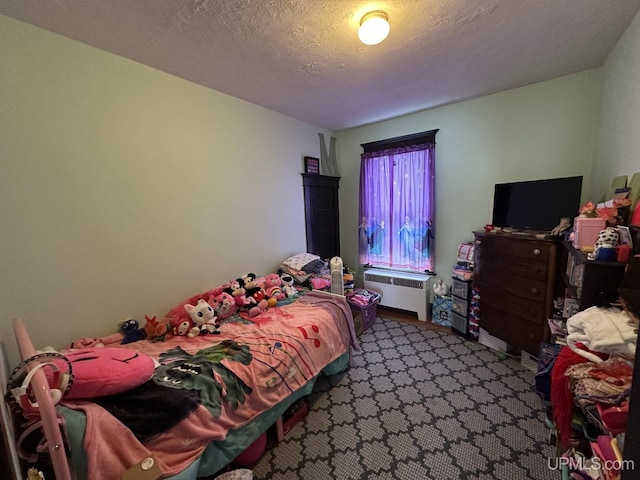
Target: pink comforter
[(289, 345)]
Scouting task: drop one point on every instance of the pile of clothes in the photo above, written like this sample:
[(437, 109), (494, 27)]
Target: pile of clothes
[(304, 266), (591, 379), (362, 297)]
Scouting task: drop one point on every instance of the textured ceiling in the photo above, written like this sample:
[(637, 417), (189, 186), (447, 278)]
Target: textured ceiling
[(303, 57)]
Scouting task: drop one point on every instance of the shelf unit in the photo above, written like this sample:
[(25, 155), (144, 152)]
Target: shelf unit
[(591, 282), (460, 305)]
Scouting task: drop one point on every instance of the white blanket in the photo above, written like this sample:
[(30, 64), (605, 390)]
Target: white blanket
[(605, 330)]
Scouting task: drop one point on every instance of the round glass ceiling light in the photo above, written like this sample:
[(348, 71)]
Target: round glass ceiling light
[(374, 27)]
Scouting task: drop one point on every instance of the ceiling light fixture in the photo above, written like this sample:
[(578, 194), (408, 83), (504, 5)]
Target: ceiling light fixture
[(374, 27)]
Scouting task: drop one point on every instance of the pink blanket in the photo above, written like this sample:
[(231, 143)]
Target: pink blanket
[(255, 366)]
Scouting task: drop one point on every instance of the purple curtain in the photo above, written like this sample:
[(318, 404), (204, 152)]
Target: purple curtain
[(397, 207)]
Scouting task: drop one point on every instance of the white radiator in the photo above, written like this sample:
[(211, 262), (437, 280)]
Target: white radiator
[(406, 291)]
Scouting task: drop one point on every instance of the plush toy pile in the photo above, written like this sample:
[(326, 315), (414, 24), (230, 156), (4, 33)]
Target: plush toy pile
[(247, 296)]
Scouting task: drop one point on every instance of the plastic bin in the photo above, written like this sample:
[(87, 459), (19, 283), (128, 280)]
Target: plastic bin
[(368, 312)]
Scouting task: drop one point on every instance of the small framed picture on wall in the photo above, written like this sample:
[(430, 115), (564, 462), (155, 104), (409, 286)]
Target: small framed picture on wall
[(312, 165)]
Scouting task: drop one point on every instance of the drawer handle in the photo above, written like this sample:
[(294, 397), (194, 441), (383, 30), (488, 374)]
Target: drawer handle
[(534, 290), (533, 312), (478, 242), (536, 251)]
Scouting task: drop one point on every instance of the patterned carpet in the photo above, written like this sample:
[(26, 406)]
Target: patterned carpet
[(418, 404)]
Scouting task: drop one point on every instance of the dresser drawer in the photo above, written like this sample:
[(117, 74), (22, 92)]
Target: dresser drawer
[(460, 288), (500, 277), (458, 322), (459, 305), (514, 330), (526, 267), (512, 248), (529, 310)]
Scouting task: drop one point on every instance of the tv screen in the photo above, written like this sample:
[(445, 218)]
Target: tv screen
[(537, 204)]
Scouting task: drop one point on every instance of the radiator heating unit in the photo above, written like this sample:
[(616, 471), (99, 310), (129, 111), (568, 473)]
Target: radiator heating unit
[(402, 290)]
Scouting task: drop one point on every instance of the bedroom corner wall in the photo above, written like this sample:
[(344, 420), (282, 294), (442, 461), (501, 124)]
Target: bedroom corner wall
[(125, 190), (618, 146), (544, 130)]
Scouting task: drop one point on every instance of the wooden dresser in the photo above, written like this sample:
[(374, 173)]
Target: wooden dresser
[(516, 278)]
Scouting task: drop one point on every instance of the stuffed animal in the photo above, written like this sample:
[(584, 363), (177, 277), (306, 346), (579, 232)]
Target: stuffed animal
[(235, 288), (605, 245), (204, 318), (182, 327), (129, 329), (155, 330), (287, 284), (273, 288), (251, 287), (608, 236), (224, 305), (441, 289), (256, 295)]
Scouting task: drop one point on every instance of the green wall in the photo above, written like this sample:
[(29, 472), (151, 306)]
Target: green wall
[(125, 190), (544, 130), (618, 150)]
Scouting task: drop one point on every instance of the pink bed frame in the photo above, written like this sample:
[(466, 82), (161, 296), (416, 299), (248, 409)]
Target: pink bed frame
[(47, 409)]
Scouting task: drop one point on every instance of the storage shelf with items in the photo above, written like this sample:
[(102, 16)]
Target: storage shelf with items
[(589, 282), (461, 318), (460, 306)]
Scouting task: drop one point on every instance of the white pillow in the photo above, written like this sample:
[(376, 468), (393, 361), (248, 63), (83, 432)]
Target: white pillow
[(300, 260)]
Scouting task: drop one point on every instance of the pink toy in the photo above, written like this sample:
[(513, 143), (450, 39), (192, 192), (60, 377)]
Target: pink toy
[(273, 288), (181, 327), (224, 305), (106, 371)]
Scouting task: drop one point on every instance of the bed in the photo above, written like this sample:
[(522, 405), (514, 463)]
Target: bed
[(235, 384)]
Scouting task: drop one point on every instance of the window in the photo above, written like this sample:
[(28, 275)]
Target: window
[(397, 203)]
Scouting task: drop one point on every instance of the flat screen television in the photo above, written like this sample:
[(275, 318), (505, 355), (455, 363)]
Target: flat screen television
[(536, 204)]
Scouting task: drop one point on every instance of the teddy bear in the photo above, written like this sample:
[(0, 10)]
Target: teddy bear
[(204, 318), (272, 286)]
